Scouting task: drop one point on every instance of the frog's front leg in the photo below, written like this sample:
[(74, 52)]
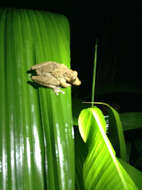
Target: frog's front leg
[(56, 89), (63, 83)]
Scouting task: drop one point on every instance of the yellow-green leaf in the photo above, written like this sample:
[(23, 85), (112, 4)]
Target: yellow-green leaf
[(101, 170)]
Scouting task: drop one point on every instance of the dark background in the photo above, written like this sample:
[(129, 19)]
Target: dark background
[(119, 54)]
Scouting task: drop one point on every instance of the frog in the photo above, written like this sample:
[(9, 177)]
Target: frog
[(55, 76)]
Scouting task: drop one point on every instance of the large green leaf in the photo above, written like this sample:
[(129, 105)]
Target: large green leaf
[(102, 170), (36, 140)]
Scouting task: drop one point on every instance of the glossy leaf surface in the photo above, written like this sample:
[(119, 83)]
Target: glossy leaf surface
[(36, 140)]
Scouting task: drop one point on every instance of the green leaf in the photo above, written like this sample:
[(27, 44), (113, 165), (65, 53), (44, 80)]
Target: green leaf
[(36, 139), (80, 156), (115, 130), (131, 120), (102, 170), (135, 174)]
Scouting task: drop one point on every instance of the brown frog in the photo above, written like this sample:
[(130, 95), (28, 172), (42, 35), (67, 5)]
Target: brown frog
[(54, 75)]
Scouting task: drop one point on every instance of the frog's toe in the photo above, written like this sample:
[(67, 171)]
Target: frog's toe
[(58, 90)]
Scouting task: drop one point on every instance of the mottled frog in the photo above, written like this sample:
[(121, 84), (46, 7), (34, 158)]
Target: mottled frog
[(54, 75)]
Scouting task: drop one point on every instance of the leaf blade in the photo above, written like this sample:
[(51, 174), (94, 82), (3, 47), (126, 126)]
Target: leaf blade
[(101, 168)]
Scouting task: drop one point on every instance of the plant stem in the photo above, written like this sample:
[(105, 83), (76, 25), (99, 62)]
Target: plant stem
[(94, 72)]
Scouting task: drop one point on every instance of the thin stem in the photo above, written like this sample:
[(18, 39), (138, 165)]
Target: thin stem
[(94, 72)]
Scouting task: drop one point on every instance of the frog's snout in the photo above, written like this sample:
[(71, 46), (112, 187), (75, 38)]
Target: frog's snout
[(76, 82)]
